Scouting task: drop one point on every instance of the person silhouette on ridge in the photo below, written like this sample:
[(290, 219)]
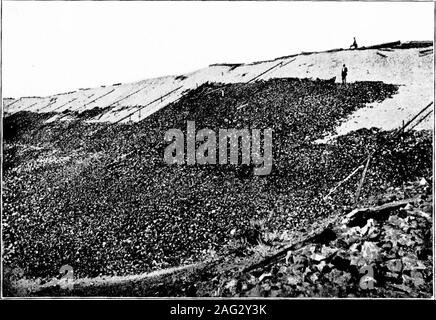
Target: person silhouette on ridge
[(354, 45)]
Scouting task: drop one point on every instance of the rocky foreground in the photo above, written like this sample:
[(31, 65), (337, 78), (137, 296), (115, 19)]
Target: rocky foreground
[(383, 249), (376, 251)]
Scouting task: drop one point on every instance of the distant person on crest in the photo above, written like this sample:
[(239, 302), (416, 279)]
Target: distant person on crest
[(344, 74), (354, 45)]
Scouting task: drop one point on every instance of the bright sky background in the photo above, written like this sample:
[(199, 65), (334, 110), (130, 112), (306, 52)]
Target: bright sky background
[(52, 47)]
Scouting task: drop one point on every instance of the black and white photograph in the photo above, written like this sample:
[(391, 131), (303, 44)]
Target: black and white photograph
[(216, 150)]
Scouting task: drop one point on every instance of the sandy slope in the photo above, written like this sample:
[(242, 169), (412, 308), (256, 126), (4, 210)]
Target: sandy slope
[(136, 101)]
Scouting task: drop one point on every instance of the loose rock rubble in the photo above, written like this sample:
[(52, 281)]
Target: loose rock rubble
[(388, 255), (111, 206)]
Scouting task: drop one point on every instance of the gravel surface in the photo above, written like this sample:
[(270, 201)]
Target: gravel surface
[(71, 198)]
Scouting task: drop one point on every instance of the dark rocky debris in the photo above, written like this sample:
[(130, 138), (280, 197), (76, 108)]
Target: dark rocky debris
[(100, 198)]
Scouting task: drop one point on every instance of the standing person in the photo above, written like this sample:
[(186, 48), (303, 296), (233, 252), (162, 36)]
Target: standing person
[(354, 45), (344, 74)]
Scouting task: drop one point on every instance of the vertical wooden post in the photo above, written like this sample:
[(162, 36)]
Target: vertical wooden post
[(362, 179)]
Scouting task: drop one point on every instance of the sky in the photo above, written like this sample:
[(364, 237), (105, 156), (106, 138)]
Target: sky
[(53, 47)]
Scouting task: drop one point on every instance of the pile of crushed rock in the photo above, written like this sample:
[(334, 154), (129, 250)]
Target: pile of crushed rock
[(382, 250)]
